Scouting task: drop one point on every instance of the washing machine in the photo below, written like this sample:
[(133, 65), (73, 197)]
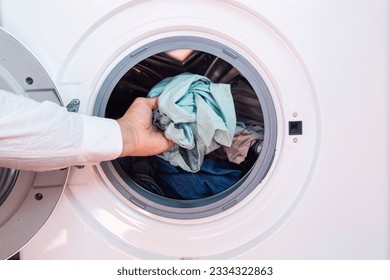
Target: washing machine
[(314, 73)]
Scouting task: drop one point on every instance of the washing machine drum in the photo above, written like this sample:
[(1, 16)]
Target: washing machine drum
[(26, 198), (153, 183)]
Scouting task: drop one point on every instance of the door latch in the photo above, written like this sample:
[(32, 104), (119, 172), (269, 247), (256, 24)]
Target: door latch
[(73, 105)]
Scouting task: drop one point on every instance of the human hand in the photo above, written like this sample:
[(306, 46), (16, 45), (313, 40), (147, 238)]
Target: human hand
[(140, 136)]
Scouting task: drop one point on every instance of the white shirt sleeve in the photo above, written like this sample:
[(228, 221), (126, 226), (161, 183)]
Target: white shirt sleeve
[(44, 136)]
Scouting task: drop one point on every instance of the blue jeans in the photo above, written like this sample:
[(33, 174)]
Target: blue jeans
[(213, 177)]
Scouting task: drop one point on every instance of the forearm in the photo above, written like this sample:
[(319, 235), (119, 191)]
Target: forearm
[(44, 136)]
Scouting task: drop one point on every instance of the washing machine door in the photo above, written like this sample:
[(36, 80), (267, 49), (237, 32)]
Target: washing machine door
[(26, 198)]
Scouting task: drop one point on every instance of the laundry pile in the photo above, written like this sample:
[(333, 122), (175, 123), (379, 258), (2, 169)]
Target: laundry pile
[(212, 148)]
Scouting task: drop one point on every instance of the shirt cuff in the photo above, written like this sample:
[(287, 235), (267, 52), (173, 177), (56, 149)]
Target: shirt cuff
[(102, 139)]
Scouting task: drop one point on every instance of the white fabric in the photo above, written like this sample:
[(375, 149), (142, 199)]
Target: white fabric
[(45, 136)]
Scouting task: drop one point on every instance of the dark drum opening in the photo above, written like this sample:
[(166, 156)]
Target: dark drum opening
[(152, 174), (151, 184)]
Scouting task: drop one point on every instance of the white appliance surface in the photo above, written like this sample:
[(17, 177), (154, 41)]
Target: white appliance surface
[(326, 63)]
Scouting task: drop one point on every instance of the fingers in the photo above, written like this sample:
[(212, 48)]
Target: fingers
[(165, 143), (159, 136), (141, 137)]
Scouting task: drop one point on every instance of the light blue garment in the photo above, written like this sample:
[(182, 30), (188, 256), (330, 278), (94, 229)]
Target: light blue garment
[(197, 115)]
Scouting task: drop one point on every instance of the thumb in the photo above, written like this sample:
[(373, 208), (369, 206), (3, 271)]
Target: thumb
[(152, 102)]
